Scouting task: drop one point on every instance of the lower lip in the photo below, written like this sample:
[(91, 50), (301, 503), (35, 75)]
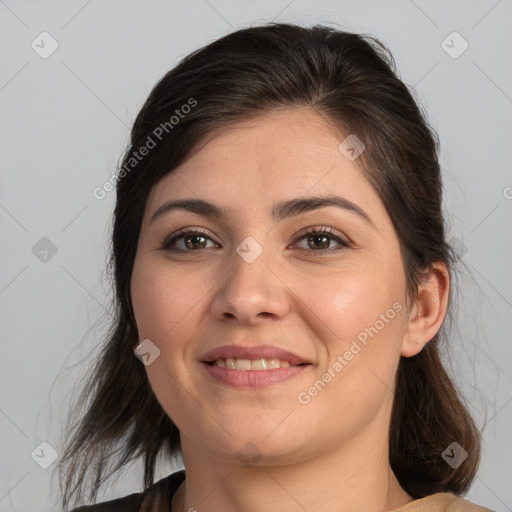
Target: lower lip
[(252, 378)]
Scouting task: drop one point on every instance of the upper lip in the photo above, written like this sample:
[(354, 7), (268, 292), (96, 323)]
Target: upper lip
[(252, 353)]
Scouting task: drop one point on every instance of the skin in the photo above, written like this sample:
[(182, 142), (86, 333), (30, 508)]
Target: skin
[(332, 453)]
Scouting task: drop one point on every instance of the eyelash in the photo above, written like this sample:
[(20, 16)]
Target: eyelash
[(313, 230)]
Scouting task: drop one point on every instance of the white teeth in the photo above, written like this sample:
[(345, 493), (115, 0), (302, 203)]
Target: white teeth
[(259, 364), (243, 364), (248, 364)]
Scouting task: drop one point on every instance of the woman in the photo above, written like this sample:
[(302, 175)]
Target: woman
[(283, 278)]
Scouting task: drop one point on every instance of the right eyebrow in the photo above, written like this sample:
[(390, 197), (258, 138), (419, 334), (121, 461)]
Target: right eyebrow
[(198, 206)]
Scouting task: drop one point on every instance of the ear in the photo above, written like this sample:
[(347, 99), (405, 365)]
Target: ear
[(428, 312)]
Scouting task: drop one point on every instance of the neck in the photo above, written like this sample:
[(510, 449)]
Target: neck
[(350, 478)]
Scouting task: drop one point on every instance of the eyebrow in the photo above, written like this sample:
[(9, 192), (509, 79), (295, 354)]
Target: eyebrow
[(280, 211)]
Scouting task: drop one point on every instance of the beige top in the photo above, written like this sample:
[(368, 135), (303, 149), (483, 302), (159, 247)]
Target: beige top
[(158, 498), (442, 502)]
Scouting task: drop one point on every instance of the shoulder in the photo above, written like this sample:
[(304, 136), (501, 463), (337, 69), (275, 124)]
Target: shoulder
[(442, 502), (129, 503), (161, 492)]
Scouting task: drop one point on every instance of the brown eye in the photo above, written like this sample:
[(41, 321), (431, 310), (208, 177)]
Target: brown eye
[(320, 238), (193, 240)]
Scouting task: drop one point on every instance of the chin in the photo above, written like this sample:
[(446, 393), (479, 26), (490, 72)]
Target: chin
[(253, 443)]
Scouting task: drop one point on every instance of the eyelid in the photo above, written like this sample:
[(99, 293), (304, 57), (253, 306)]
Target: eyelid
[(175, 235), (342, 240), (322, 229), (335, 235)]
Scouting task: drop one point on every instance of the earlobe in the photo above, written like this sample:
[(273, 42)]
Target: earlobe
[(429, 311), (411, 348)]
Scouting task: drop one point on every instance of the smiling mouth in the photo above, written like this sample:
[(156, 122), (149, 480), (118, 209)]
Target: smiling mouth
[(231, 363)]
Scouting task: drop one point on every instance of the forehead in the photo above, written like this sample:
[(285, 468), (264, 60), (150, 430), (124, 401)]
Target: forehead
[(276, 156)]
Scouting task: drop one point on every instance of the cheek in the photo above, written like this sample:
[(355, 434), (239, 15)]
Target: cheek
[(357, 317), (166, 305), (164, 301), (350, 303)]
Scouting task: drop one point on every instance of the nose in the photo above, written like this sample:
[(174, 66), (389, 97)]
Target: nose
[(250, 292)]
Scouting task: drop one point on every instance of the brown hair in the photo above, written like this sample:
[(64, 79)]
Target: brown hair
[(349, 79)]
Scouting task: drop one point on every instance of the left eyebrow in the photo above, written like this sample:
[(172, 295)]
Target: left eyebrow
[(300, 205), (280, 211)]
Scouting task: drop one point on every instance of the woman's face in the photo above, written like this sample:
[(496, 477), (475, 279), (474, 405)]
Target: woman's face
[(325, 313)]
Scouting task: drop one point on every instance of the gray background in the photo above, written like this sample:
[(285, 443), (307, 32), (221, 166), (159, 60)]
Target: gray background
[(65, 121)]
